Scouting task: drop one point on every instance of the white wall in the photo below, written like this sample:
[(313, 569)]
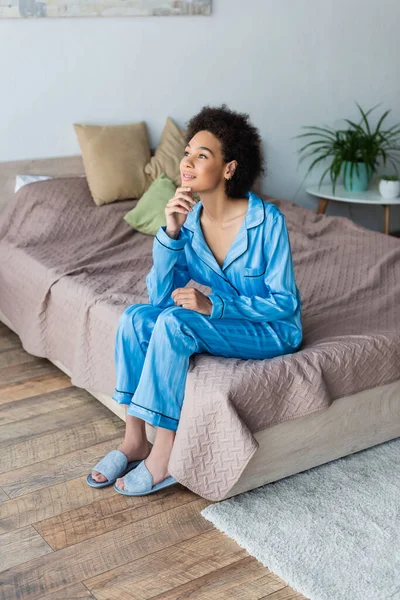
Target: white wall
[(287, 63)]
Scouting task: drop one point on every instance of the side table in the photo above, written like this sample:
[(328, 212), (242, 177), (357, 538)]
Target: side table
[(371, 196)]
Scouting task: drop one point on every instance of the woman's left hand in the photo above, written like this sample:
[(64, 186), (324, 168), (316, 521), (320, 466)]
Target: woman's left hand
[(192, 299)]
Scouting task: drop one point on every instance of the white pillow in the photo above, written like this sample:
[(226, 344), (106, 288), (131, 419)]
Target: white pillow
[(22, 180)]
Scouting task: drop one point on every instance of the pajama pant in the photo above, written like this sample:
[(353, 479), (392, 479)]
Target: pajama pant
[(152, 350)]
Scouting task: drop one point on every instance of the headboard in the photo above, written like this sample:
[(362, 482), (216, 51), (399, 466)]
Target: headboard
[(63, 166)]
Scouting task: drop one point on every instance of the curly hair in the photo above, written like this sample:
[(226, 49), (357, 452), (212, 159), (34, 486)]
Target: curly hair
[(240, 141)]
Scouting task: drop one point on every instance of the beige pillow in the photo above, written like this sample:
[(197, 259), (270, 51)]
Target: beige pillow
[(169, 153), (114, 157)]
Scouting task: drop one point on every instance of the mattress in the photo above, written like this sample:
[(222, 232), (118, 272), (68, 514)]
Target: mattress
[(69, 268)]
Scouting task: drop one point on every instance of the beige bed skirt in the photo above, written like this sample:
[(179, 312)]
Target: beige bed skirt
[(350, 424)]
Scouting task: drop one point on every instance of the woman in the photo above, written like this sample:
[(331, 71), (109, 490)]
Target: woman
[(233, 242)]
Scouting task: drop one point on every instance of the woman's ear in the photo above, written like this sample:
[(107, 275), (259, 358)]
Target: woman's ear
[(231, 168)]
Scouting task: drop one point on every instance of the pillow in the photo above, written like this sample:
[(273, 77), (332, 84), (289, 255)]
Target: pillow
[(22, 180), (169, 153), (114, 157), (148, 215)]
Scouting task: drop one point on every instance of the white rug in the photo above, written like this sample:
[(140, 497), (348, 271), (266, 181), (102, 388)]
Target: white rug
[(332, 532)]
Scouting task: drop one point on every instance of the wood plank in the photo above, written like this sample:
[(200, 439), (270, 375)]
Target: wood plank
[(16, 356), (55, 470), (108, 515), (176, 566), (72, 592), (8, 339), (20, 546), (64, 441), (34, 387), (245, 578), (48, 502), (82, 410), (68, 496), (49, 402), (30, 370), (286, 593), (82, 561)]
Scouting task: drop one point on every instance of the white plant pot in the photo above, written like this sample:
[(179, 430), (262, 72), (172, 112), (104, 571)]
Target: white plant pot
[(389, 189)]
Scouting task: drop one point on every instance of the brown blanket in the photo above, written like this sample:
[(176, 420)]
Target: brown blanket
[(69, 268)]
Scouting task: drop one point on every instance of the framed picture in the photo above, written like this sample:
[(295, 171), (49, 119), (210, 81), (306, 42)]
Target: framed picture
[(102, 8)]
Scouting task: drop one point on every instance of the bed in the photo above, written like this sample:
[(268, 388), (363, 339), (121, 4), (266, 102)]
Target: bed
[(68, 269)]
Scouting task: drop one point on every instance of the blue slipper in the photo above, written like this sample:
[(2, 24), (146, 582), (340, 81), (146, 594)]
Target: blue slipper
[(115, 464), (139, 482)]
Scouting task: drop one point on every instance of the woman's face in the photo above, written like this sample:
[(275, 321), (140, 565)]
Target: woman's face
[(202, 167)]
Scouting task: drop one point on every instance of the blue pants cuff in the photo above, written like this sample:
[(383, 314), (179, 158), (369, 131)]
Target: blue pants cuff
[(154, 418), (135, 410), (122, 397)]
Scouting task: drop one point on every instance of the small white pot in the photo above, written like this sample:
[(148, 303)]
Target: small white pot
[(389, 189)]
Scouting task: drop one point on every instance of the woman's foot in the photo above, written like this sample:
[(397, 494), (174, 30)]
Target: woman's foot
[(157, 468), (132, 452), (158, 459)]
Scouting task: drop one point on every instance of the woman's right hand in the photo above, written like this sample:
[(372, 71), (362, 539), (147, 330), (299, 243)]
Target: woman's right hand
[(177, 209)]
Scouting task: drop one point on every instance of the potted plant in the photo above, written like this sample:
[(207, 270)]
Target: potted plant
[(389, 186), (354, 152)]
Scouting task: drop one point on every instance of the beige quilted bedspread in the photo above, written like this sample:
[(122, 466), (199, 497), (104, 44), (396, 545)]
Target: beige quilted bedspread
[(68, 269)]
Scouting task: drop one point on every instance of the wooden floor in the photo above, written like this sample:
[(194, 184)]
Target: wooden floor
[(61, 539)]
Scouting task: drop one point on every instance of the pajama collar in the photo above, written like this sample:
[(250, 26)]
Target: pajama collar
[(254, 216)]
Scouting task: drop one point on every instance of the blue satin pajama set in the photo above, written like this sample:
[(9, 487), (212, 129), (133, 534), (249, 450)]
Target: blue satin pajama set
[(256, 310)]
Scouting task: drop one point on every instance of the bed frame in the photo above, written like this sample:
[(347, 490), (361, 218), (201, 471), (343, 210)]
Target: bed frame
[(351, 424)]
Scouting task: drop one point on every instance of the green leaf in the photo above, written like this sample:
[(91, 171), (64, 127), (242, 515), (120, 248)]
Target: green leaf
[(390, 130), (365, 115), (394, 165), (315, 162), (323, 176), (319, 131), (312, 151), (356, 127), (383, 117)]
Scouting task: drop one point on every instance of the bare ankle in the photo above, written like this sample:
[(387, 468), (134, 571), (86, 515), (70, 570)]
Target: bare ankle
[(136, 444)]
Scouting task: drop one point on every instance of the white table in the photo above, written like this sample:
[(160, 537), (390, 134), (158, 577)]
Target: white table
[(371, 196)]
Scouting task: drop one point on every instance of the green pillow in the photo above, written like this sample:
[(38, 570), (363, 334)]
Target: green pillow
[(148, 215)]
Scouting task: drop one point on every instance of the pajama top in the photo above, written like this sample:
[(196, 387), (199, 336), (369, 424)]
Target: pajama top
[(256, 281)]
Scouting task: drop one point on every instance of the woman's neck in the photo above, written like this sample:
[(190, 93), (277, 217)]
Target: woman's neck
[(220, 209)]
